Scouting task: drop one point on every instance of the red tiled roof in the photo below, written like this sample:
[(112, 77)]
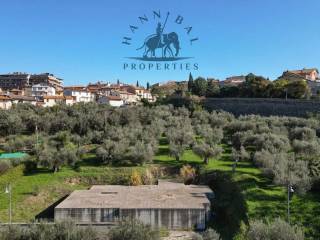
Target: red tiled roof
[(304, 71), (114, 98), (4, 97)]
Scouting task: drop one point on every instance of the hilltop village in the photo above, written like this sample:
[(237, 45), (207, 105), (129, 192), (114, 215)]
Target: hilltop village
[(47, 90)]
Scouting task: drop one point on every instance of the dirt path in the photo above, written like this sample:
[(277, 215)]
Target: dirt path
[(179, 235)]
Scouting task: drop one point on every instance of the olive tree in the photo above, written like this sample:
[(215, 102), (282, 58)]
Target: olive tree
[(179, 139), (277, 230), (290, 172), (207, 151)]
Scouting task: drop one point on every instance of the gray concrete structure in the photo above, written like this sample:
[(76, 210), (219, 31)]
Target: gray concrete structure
[(170, 205)]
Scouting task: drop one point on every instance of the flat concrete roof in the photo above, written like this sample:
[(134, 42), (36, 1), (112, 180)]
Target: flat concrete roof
[(165, 195)]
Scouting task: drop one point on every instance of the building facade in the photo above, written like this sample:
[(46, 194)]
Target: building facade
[(24, 80), (80, 93), (50, 101), (170, 205), (42, 89)]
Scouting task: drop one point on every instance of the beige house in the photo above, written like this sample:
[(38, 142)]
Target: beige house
[(311, 74), (50, 101), (23, 99), (128, 98), (5, 102)]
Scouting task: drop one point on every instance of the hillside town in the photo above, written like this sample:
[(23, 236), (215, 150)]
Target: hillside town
[(47, 90)]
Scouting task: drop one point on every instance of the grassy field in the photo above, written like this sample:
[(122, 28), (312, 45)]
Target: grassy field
[(263, 199), (35, 192)]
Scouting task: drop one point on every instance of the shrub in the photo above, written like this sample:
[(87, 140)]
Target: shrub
[(210, 234), (277, 230), (4, 166), (63, 230), (188, 174), (135, 179), (133, 229)]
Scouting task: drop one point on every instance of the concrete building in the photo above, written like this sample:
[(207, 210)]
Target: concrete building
[(21, 81), (170, 205), (42, 89), (80, 93)]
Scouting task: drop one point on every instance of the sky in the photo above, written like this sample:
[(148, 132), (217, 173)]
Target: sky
[(80, 41)]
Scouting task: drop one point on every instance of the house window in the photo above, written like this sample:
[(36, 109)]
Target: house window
[(109, 215)]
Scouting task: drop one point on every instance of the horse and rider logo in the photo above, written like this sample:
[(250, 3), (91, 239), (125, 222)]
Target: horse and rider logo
[(161, 46)]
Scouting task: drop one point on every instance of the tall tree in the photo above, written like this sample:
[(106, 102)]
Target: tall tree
[(190, 83), (148, 85), (137, 84)]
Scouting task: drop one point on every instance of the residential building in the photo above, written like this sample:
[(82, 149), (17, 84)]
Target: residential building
[(23, 99), (233, 81), (80, 93), (128, 98), (21, 81), (17, 92), (311, 74), (50, 101), (148, 96), (113, 101), (47, 78), (5, 102), (169, 205), (42, 89)]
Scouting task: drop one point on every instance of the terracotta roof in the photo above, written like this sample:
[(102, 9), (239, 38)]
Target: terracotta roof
[(22, 98), (304, 71), (58, 97), (125, 92), (4, 97), (114, 98), (77, 88)]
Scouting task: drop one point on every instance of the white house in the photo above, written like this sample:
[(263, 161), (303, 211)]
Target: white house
[(80, 93), (40, 90), (114, 101), (148, 96)]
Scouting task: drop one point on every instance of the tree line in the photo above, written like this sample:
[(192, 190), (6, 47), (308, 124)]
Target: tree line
[(253, 87)]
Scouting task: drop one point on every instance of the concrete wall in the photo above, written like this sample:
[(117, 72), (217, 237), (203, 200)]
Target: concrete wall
[(265, 107), (169, 218)]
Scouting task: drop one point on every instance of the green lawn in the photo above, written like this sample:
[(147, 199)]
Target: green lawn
[(263, 199), (33, 193)]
